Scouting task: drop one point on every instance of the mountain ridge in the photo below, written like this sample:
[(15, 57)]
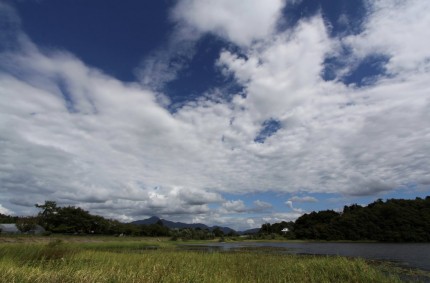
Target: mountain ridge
[(181, 225)]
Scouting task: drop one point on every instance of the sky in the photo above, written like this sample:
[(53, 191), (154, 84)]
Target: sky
[(230, 113)]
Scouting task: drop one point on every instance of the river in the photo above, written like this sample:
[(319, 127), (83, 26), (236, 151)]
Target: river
[(411, 255)]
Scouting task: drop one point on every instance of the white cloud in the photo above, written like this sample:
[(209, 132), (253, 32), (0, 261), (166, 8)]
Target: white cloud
[(282, 74), (303, 199), (279, 217), (250, 222), (234, 206), (5, 211), (234, 21), (289, 203), (262, 205), (166, 62), (398, 29), (199, 196), (241, 23)]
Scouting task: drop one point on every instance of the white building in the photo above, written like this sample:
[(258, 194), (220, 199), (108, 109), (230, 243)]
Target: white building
[(285, 230)]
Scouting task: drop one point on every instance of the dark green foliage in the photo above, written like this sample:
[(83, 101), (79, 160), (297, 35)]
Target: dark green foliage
[(395, 220), (192, 234), (315, 225), (271, 231), (26, 224), (218, 232), (7, 218), (154, 230), (74, 220)]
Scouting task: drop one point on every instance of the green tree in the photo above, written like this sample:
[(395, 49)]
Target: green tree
[(218, 232), (26, 224), (48, 216), (7, 218), (395, 220), (265, 229)]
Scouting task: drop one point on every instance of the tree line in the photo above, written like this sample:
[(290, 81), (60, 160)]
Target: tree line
[(77, 221), (395, 220)]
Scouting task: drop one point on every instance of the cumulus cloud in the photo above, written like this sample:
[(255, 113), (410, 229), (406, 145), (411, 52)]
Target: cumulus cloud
[(333, 135), (241, 23), (288, 67), (398, 30), (234, 206)]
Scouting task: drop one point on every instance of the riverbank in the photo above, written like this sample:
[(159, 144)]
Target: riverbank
[(91, 259)]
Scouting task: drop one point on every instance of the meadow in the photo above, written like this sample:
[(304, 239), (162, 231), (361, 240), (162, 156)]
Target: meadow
[(77, 259)]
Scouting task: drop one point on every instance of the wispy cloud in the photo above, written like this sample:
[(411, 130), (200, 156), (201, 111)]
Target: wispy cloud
[(164, 65), (303, 199), (289, 203)]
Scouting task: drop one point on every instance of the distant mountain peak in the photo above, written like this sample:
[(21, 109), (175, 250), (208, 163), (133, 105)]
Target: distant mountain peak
[(180, 225), (154, 218)]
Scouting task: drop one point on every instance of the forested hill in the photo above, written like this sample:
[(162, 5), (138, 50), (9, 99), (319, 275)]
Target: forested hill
[(181, 225), (395, 220)]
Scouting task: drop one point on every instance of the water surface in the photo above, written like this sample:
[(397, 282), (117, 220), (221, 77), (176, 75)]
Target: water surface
[(406, 255)]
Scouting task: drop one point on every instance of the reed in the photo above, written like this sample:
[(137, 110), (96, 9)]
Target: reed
[(140, 262)]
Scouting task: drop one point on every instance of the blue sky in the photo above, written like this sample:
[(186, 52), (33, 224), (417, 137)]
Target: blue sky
[(217, 112)]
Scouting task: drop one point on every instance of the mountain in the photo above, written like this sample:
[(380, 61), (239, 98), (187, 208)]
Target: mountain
[(180, 225)]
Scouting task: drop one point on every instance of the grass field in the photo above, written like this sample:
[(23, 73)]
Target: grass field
[(114, 260)]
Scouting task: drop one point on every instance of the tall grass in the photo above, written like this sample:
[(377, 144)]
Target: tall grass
[(134, 262)]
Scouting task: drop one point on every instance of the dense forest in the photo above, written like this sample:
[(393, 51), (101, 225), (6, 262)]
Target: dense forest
[(395, 220)]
